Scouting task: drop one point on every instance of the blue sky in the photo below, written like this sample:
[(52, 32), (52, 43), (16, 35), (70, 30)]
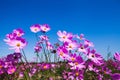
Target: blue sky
[(99, 20)]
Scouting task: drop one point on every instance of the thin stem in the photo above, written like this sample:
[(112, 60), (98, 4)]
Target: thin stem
[(26, 61), (38, 57), (44, 52)]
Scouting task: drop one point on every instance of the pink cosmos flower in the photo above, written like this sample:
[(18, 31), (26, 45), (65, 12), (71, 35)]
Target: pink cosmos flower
[(95, 57), (46, 66), (44, 37), (72, 57), (87, 42), (35, 28), (106, 70), (81, 37), (11, 70), (82, 48), (70, 45), (115, 76), (18, 32), (76, 65), (45, 27), (117, 56), (49, 46), (17, 44), (64, 36), (21, 75), (90, 67), (78, 74), (100, 77), (37, 48), (68, 75), (33, 70), (63, 53), (10, 37), (1, 71)]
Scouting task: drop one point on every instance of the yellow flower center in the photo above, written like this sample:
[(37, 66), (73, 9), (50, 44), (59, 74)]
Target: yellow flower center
[(76, 63), (70, 46), (72, 58), (64, 37), (104, 72), (45, 67), (61, 53), (12, 70), (35, 29), (45, 29), (19, 34), (18, 45), (0, 66), (76, 73)]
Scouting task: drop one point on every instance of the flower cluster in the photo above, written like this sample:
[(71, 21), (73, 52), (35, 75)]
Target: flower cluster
[(37, 27), (72, 58), (8, 64), (15, 40), (43, 44)]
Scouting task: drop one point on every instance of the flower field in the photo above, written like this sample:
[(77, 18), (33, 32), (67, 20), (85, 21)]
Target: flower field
[(73, 57)]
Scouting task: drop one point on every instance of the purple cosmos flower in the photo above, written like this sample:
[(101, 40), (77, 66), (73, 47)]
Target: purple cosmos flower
[(32, 72), (64, 36), (78, 74), (82, 48), (1, 71), (70, 45), (44, 38), (95, 57), (78, 64), (10, 57), (81, 37), (115, 76), (1, 66), (91, 66), (15, 40), (45, 27), (18, 32), (13, 57), (75, 65), (45, 66), (17, 55), (87, 42), (100, 77), (8, 64), (49, 45), (72, 57), (63, 53), (35, 28), (11, 70), (106, 70), (21, 75), (11, 36), (67, 75), (37, 48), (117, 56)]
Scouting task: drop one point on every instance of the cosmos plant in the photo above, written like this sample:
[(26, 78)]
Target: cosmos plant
[(72, 58)]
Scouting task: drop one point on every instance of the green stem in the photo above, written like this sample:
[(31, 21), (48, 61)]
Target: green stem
[(25, 69)]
